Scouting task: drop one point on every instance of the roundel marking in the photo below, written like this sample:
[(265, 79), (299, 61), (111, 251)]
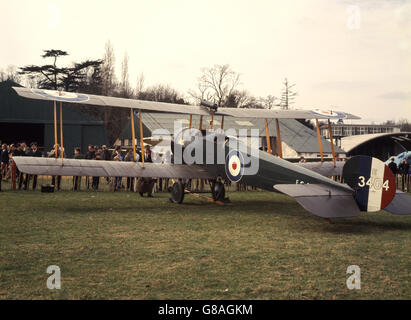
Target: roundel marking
[(61, 96), (329, 114), (372, 180), (234, 166)]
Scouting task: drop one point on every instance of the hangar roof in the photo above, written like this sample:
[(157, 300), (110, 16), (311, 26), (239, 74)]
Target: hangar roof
[(351, 142), (299, 137)]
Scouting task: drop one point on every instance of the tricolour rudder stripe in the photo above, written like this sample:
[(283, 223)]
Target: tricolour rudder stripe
[(375, 190), (364, 170), (388, 195), (372, 181)]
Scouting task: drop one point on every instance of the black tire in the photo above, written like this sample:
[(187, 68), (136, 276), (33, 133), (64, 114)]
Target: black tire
[(177, 192), (218, 191)]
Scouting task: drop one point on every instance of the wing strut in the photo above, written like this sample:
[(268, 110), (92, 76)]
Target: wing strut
[(331, 140), (191, 121), (279, 143), (222, 122), (267, 137), (212, 122), (133, 134), (320, 146), (61, 132), (55, 129), (141, 138), (201, 123)]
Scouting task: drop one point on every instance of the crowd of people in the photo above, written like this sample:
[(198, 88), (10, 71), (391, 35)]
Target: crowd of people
[(94, 152), (402, 171)]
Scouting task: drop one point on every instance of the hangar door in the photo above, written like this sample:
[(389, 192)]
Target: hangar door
[(22, 132)]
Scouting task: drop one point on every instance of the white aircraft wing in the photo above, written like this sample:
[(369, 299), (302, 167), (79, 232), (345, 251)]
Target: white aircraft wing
[(96, 100)]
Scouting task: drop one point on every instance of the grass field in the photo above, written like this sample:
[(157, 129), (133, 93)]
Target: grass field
[(261, 246)]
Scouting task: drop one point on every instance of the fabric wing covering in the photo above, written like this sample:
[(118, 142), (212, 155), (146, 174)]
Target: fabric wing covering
[(100, 168), (96, 100)]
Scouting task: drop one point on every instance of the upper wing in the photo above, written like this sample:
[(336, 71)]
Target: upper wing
[(97, 100), (284, 114), (322, 200), (101, 168)]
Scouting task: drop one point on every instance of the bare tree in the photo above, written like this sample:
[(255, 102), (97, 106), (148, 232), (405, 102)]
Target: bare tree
[(108, 70), (140, 84), (217, 84), (269, 102), (202, 93), (162, 93), (125, 89)]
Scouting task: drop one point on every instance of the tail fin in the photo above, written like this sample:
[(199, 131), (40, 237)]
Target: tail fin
[(373, 182)]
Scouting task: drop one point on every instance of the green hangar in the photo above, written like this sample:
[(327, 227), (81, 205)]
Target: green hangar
[(25, 120)]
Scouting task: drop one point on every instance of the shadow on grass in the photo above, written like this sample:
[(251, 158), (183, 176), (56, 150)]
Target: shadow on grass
[(361, 226)]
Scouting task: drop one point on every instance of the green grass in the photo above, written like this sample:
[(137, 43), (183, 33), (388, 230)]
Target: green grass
[(261, 246)]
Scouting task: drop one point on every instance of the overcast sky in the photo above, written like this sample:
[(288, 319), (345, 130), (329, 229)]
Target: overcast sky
[(355, 58)]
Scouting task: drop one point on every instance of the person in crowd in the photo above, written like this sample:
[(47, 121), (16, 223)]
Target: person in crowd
[(96, 180), (117, 157), (77, 179), (117, 152), (32, 152), (20, 153), (147, 155), (403, 169), (393, 166), (90, 155), (52, 154), (130, 157), (106, 154), (302, 160), (4, 158)]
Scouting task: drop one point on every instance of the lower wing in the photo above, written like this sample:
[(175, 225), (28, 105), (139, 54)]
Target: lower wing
[(101, 168)]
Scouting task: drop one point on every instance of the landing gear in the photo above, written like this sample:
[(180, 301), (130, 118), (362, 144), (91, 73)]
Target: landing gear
[(177, 192), (218, 191)]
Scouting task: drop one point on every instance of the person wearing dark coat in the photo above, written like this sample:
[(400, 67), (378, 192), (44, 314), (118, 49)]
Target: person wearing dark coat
[(393, 166), (130, 180), (147, 155), (32, 152), (52, 154), (403, 169), (96, 180), (20, 152), (77, 179), (90, 155), (4, 158)]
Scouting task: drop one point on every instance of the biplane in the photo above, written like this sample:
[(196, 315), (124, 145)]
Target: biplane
[(368, 185)]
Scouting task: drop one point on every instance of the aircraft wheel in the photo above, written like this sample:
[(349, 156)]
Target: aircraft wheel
[(218, 191), (177, 192)]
